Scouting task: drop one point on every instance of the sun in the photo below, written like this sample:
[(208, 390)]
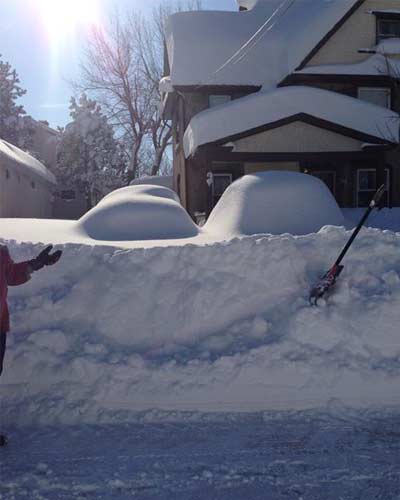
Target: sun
[(63, 18)]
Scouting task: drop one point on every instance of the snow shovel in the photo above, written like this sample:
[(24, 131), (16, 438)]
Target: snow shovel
[(329, 279)]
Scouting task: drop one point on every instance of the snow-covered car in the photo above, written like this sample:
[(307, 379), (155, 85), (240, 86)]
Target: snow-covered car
[(142, 212), (274, 202)]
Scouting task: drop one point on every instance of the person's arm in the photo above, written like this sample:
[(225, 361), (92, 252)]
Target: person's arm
[(20, 273), (16, 274)]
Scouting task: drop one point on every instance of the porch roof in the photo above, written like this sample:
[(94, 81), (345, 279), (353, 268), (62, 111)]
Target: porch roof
[(266, 110)]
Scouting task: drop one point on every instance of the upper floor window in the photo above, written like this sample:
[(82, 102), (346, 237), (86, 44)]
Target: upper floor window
[(387, 28), (374, 95), (217, 99)]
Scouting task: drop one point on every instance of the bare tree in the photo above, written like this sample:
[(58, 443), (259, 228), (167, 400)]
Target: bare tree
[(121, 68)]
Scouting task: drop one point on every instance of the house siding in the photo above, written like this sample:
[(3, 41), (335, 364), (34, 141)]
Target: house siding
[(359, 31), (22, 195), (297, 137)]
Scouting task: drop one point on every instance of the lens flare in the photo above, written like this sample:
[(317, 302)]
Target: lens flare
[(63, 19)]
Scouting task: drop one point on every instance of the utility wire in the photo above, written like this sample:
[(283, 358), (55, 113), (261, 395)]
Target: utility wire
[(253, 41)]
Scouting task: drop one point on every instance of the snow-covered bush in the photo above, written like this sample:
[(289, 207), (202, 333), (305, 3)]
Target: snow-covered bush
[(138, 213), (274, 202)]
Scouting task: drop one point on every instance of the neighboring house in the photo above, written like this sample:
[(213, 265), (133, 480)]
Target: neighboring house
[(26, 185), (304, 86), (45, 141)]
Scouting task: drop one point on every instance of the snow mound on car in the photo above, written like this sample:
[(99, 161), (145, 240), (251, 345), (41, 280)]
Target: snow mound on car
[(275, 203), (143, 212)]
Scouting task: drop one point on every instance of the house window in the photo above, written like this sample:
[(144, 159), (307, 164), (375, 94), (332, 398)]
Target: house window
[(7, 173), (328, 177), (219, 184), (366, 186), (373, 95), (387, 28), (216, 100), (68, 194)]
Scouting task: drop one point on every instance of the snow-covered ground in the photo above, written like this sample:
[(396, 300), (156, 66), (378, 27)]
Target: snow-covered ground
[(332, 455), (196, 368)]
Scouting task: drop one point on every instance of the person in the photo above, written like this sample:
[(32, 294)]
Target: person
[(14, 274)]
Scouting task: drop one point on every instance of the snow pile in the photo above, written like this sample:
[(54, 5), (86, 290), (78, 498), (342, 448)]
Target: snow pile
[(263, 108), (110, 332), (143, 212), (275, 203)]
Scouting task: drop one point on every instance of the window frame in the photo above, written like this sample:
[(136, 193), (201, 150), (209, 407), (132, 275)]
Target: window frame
[(333, 172), (374, 89), (380, 17), (373, 190), (216, 196), (210, 96)]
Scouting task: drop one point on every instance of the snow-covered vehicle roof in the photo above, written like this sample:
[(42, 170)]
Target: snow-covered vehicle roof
[(156, 180), (274, 202), (25, 162), (378, 124), (144, 212), (263, 45)]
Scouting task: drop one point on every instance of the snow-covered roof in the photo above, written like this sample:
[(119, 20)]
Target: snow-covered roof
[(263, 45), (376, 65), (381, 63), (25, 161), (263, 108), (388, 47)]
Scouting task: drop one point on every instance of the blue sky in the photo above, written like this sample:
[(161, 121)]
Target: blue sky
[(45, 58)]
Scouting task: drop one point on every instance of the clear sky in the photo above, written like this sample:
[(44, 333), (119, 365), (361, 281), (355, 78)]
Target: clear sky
[(41, 39)]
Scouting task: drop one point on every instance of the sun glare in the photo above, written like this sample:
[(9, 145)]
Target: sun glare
[(64, 18)]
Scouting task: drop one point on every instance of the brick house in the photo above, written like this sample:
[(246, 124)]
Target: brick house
[(308, 86)]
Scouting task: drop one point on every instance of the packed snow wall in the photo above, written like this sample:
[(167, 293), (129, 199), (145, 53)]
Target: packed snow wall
[(110, 332)]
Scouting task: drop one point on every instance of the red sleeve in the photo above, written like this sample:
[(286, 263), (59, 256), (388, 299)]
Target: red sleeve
[(16, 274)]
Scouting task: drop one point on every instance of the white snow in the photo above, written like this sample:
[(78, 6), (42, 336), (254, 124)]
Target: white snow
[(25, 161), (157, 180), (273, 38), (248, 4), (276, 203), (165, 85), (111, 331), (389, 46), (143, 212), (376, 65), (264, 108)]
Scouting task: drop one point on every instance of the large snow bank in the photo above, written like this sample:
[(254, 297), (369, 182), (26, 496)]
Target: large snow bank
[(143, 212), (263, 108), (109, 332), (275, 203)]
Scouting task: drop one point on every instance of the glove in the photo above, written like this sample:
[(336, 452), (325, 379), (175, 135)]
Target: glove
[(45, 258)]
